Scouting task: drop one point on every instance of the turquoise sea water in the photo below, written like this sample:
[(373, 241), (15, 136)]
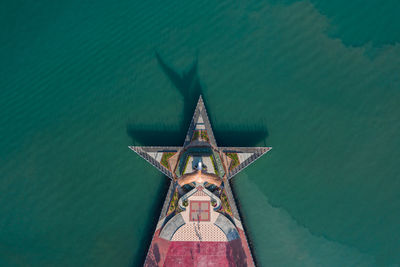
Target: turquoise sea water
[(321, 76)]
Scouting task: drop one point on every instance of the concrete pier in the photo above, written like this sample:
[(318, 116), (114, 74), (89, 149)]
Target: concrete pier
[(200, 224)]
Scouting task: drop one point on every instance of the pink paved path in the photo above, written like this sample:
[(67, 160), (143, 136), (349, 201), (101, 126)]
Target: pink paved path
[(194, 253)]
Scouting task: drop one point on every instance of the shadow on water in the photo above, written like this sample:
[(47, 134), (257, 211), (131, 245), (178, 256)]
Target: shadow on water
[(152, 219), (189, 86), (154, 136), (241, 135)]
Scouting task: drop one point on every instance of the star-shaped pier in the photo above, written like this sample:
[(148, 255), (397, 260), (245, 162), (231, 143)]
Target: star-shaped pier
[(199, 222)]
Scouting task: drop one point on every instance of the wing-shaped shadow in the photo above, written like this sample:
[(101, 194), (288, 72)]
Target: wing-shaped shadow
[(189, 86)]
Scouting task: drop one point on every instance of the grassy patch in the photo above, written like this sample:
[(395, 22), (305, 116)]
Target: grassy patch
[(186, 163), (174, 202), (165, 157), (213, 163), (204, 135), (235, 160), (200, 133), (225, 203), (195, 135)]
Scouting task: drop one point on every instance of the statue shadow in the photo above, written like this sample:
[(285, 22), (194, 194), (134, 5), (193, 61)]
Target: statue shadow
[(189, 86)]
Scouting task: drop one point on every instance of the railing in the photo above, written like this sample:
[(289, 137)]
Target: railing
[(153, 162), (244, 164), (231, 200), (200, 110)]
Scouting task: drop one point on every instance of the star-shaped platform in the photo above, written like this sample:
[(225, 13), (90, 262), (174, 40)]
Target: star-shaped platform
[(199, 223)]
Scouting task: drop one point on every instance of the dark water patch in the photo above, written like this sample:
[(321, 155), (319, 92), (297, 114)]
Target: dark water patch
[(249, 233), (242, 135), (188, 84), (358, 23), (152, 219), (149, 135)]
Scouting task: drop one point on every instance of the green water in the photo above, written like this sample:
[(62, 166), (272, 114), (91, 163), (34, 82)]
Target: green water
[(321, 76)]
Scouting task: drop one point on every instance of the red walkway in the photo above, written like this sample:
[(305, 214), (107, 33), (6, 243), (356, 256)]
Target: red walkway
[(163, 253), (204, 254)]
